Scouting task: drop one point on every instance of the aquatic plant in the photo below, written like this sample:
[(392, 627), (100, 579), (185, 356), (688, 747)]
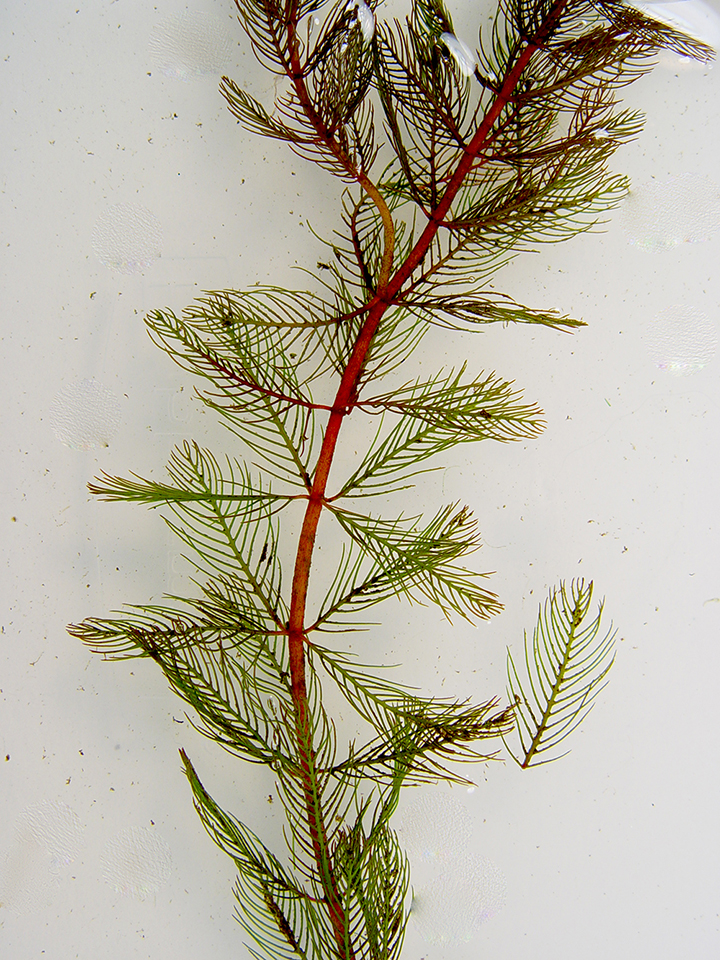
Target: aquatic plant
[(455, 159)]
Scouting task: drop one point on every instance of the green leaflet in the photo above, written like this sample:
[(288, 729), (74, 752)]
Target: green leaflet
[(418, 745), (566, 664), (254, 117), (374, 882), (415, 562), (226, 668), (435, 416), (198, 477), (257, 391), (237, 540), (276, 911), (468, 310), (413, 732)]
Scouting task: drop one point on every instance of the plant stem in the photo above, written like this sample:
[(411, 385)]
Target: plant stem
[(345, 399)]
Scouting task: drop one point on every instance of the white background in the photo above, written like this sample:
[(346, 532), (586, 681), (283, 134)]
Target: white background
[(612, 852)]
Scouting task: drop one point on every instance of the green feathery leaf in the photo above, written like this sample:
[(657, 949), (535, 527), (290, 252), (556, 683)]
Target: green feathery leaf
[(415, 562), (254, 371), (470, 311), (234, 487), (565, 669), (436, 415), (218, 660), (276, 911)]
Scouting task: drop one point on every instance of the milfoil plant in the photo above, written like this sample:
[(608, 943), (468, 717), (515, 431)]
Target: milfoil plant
[(454, 160)]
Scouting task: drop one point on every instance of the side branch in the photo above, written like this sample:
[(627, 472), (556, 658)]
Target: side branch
[(325, 136), (437, 216)]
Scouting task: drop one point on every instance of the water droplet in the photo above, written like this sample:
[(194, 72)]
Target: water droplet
[(455, 891), (452, 907), (48, 837), (366, 20), (699, 20), (659, 215), (85, 415), (681, 340), (461, 53), (127, 238), (435, 828), (137, 862), (191, 45)]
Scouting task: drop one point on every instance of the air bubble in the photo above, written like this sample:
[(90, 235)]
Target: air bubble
[(127, 238), (85, 415), (461, 53), (137, 862), (191, 45)]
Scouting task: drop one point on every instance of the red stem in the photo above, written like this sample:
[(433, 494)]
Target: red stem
[(345, 399)]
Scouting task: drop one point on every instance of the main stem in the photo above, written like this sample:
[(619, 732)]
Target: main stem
[(388, 288)]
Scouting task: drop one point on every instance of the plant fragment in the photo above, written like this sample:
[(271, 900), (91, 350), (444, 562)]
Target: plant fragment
[(453, 162)]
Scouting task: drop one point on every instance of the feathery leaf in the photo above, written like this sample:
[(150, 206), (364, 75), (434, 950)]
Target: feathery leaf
[(565, 669)]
